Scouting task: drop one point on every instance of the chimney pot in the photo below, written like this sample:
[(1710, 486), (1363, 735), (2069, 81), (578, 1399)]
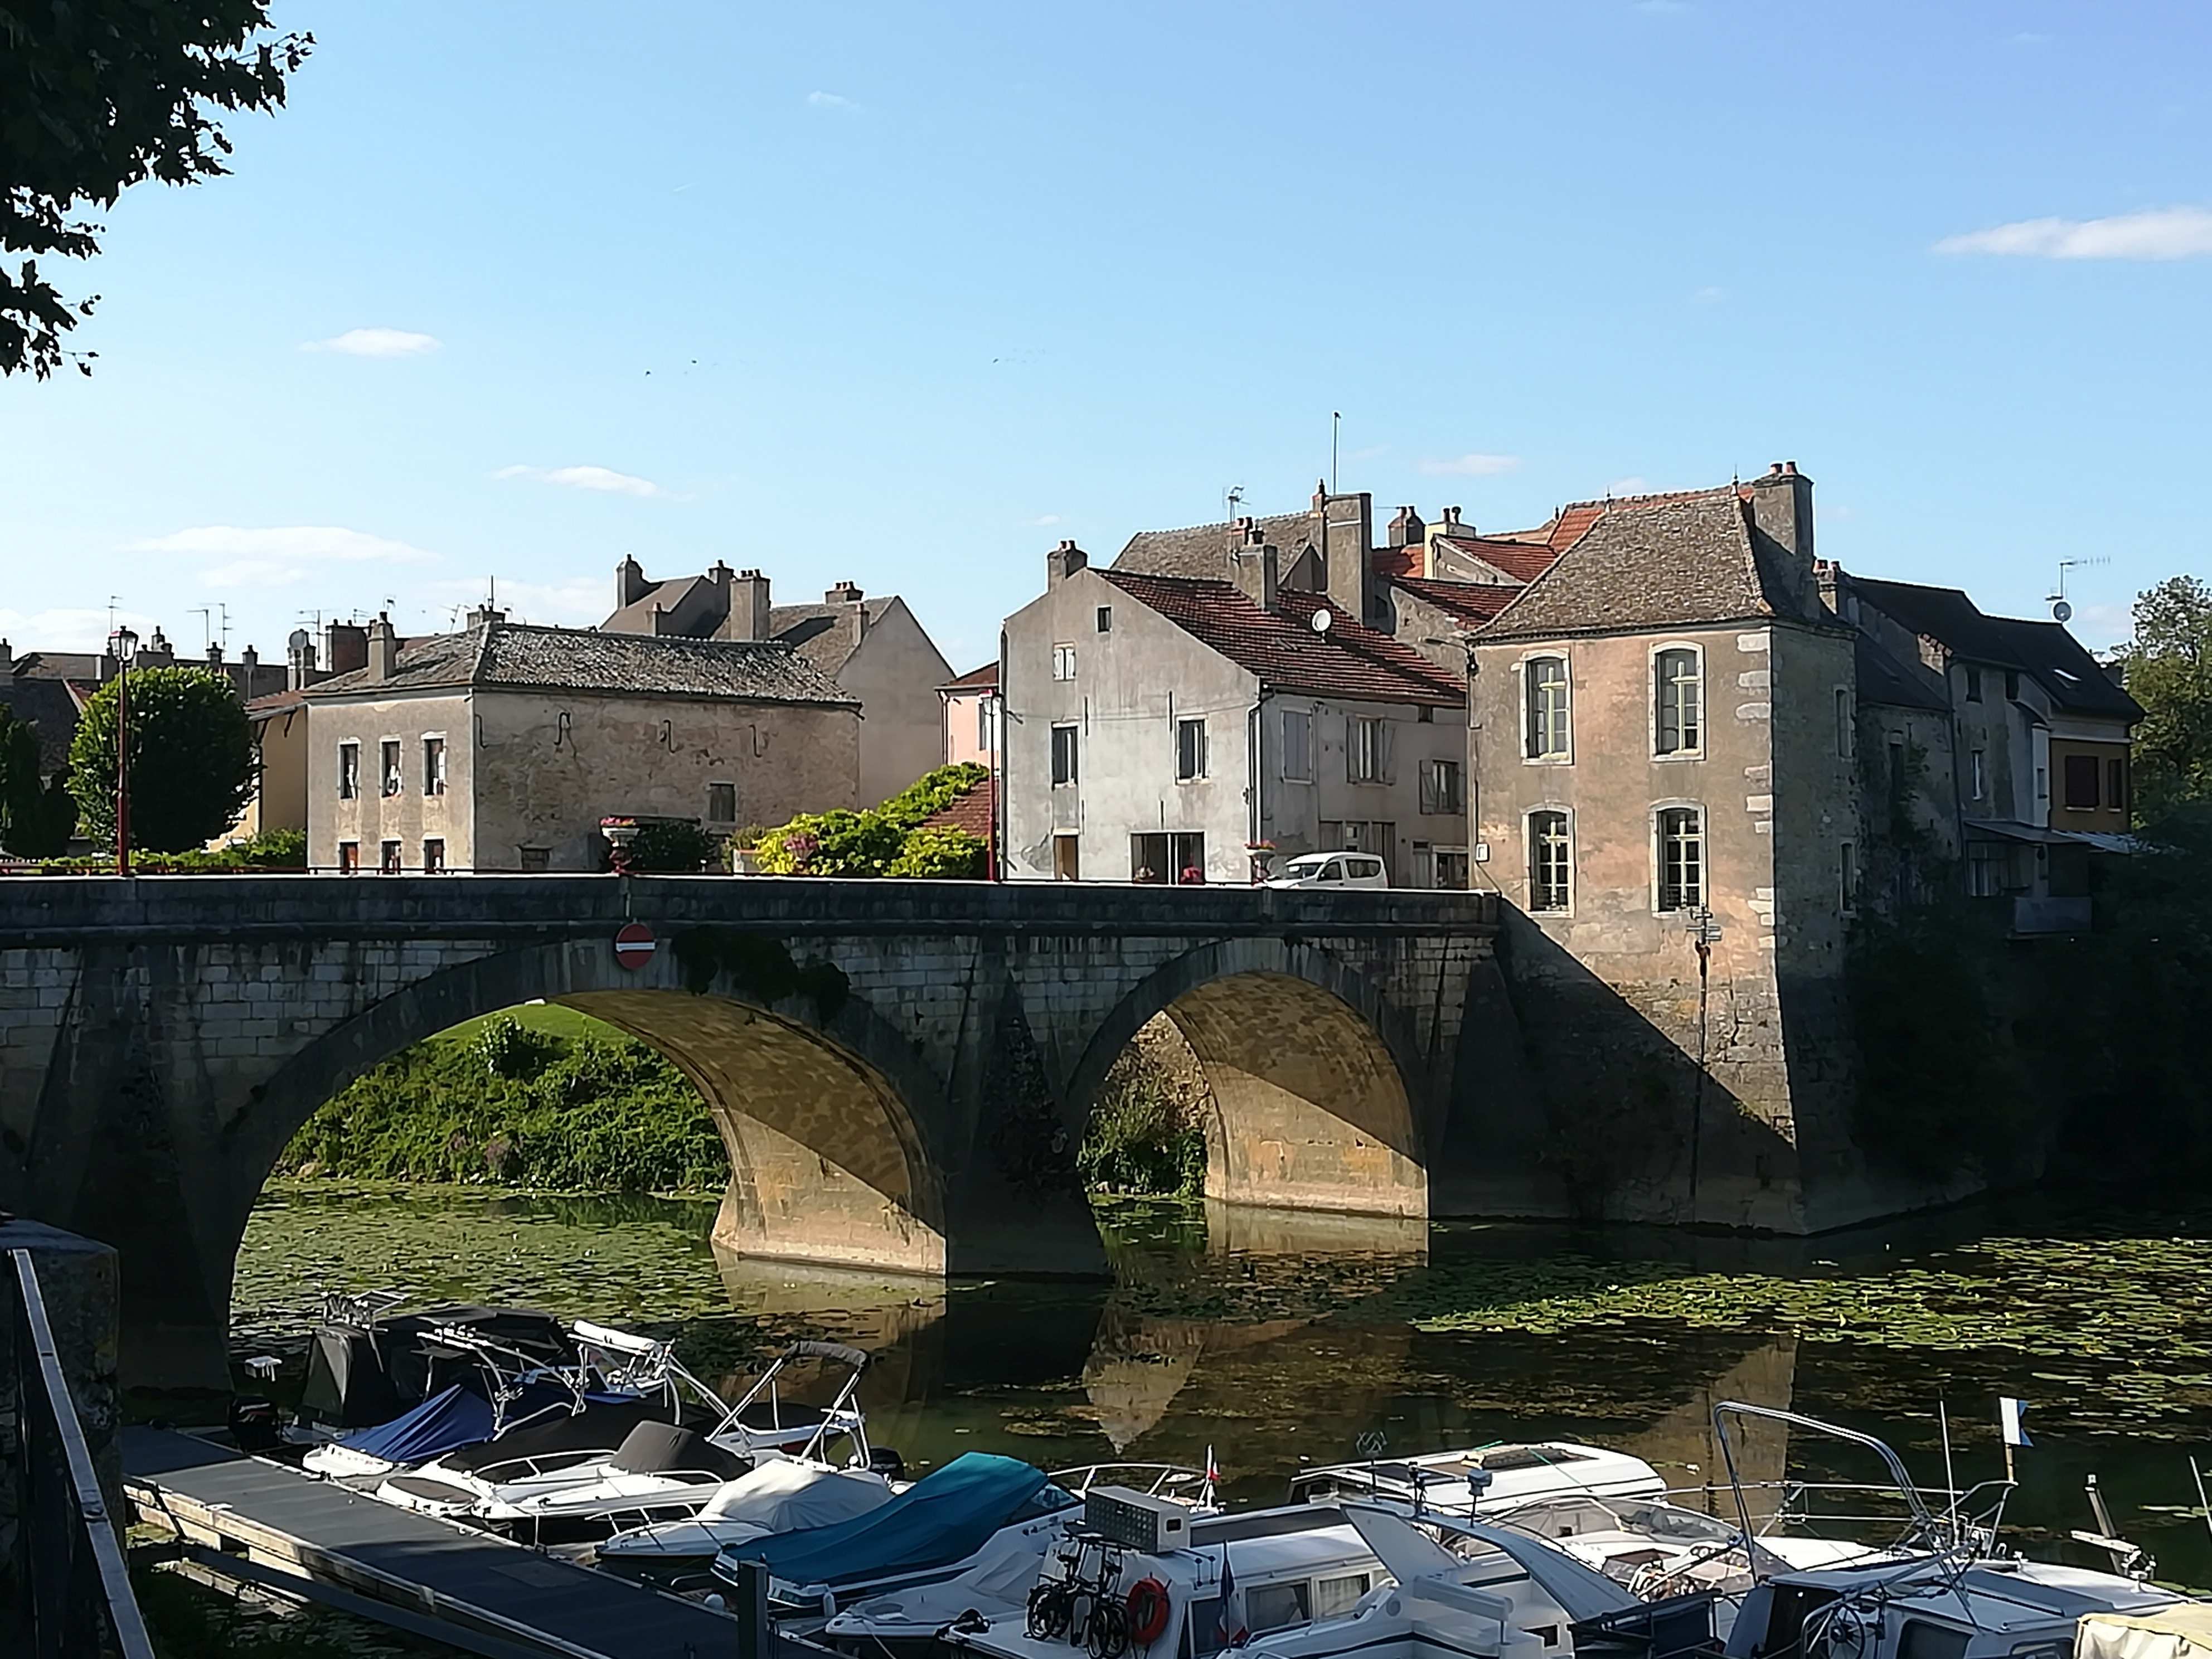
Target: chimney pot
[(1789, 467), (1063, 561)]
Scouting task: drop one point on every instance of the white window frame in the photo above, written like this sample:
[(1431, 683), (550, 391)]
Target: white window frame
[(1184, 723), (1440, 852), (433, 788), (1376, 770), (393, 781), (1978, 773), (1696, 751), (1299, 755), (1658, 855), (1074, 754), (1063, 659), (1566, 816), (1525, 672)]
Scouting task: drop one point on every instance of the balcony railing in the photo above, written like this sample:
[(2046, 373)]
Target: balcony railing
[(76, 1590)]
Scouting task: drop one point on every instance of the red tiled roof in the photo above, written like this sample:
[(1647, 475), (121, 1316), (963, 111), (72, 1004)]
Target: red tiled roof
[(1391, 562), (974, 679), (1350, 660), (1471, 602), (1572, 522), (970, 812), (1522, 561)]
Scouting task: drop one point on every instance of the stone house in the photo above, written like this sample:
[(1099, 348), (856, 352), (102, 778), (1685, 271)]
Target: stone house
[(874, 648), (503, 747), (1165, 716)]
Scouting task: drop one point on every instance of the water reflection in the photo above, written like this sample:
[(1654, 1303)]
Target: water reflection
[(1280, 1340)]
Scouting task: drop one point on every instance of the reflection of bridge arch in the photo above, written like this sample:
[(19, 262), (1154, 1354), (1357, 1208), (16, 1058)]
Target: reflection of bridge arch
[(1320, 1089)]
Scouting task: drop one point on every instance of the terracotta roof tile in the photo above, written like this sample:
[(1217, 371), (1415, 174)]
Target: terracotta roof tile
[(1350, 660), (1522, 561), (1474, 603), (970, 812), (974, 679)]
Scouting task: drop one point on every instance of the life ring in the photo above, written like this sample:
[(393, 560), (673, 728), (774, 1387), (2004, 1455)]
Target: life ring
[(1148, 1609)]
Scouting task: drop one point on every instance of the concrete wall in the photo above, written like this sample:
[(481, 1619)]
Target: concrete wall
[(895, 673), (160, 1042), (409, 816)]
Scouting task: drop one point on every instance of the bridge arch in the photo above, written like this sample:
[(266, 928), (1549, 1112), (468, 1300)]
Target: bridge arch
[(829, 1118), (1320, 1089)]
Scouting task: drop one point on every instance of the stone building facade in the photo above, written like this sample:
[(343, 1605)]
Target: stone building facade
[(1162, 727), (502, 747), (874, 648)]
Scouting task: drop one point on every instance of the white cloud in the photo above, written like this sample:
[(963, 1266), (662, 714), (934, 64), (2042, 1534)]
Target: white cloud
[(277, 556), (1709, 295), (377, 343), (1046, 520), (66, 628), (829, 100), (1632, 487), (1472, 467), (2177, 232), (601, 478)]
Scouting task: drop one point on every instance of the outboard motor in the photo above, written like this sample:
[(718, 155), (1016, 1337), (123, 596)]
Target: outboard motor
[(883, 1461), (253, 1425)]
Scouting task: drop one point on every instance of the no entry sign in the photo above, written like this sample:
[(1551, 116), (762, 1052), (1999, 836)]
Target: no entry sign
[(633, 945)]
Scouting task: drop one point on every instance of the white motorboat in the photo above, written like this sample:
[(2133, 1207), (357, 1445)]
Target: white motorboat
[(998, 1578), (779, 1495), (1481, 1479), (659, 1472)]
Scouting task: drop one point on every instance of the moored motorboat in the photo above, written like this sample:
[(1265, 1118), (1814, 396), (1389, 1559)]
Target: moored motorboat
[(780, 1495)]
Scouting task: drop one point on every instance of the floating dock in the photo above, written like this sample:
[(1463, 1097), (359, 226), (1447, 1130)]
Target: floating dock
[(479, 1592)]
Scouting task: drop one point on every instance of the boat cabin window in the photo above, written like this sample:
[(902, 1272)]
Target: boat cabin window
[(1920, 1639), (1333, 1596), (1201, 1628), (1272, 1607), (1048, 1500)]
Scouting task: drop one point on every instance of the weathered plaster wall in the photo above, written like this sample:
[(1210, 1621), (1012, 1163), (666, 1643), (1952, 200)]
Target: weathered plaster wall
[(895, 673), (372, 817), (1293, 813)]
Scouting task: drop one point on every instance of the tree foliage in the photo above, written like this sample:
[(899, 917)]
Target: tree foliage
[(2169, 672), (36, 815), (192, 759), (886, 840), (97, 95)]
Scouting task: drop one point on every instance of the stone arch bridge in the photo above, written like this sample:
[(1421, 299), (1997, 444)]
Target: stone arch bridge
[(899, 1070)]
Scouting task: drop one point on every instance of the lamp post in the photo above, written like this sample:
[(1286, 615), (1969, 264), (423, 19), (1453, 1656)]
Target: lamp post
[(124, 645)]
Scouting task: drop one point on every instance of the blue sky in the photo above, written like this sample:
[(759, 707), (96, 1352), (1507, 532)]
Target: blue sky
[(903, 294)]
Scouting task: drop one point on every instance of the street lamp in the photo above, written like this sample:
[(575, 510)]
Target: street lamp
[(123, 646)]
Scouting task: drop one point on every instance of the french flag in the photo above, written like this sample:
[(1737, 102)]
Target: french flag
[(1231, 1628)]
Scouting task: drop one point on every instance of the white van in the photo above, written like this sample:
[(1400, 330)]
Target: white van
[(1333, 870)]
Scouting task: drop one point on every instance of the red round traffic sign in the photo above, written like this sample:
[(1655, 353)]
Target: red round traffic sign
[(633, 945)]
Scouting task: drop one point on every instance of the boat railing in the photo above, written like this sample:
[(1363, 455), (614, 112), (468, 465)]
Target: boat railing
[(1175, 1481), (77, 1597)]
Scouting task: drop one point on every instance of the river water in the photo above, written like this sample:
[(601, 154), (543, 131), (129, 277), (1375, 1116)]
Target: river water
[(1279, 1340)]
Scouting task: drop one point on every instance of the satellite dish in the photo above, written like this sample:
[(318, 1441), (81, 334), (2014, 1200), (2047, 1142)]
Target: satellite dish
[(2063, 611), (1322, 619), (300, 640)]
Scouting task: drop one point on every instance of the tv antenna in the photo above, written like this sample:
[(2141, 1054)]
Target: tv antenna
[(207, 618), (2061, 609)]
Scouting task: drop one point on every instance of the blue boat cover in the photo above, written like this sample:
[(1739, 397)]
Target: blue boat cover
[(932, 1524), (459, 1417), (441, 1424)]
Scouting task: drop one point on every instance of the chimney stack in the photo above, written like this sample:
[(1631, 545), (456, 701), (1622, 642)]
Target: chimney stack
[(7, 657), (481, 615), (1345, 535), (215, 654), (346, 647), (1255, 567), (747, 616), (383, 649), (1062, 562), (1407, 529), (842, 594), (300, 660), (630, 585), (1782, 512)]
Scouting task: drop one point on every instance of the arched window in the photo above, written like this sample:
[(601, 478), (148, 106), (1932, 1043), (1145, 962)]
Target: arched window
[(1546, 732), (1551, 861), (1678, 700)]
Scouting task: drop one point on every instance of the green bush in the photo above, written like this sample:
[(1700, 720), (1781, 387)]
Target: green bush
[(523, 1107), (36, 818), (1140, 1138), (672, 847), (887, 840), (272, 849)]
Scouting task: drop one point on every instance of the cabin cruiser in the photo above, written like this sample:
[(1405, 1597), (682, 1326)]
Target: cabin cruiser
[(998, 1578), (929, 1532), (660, 1471), (1481, 1478)]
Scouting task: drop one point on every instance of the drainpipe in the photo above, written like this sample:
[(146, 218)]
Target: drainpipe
[(1256, 726)]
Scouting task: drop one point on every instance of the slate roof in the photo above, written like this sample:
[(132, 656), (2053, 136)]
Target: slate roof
[(2058, 661), (974, 679), (1201, 550), (1280, 647), (1472, 603), (827, 636), (1682, 561), (49, 707), (1883, 678), (513, 656)]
